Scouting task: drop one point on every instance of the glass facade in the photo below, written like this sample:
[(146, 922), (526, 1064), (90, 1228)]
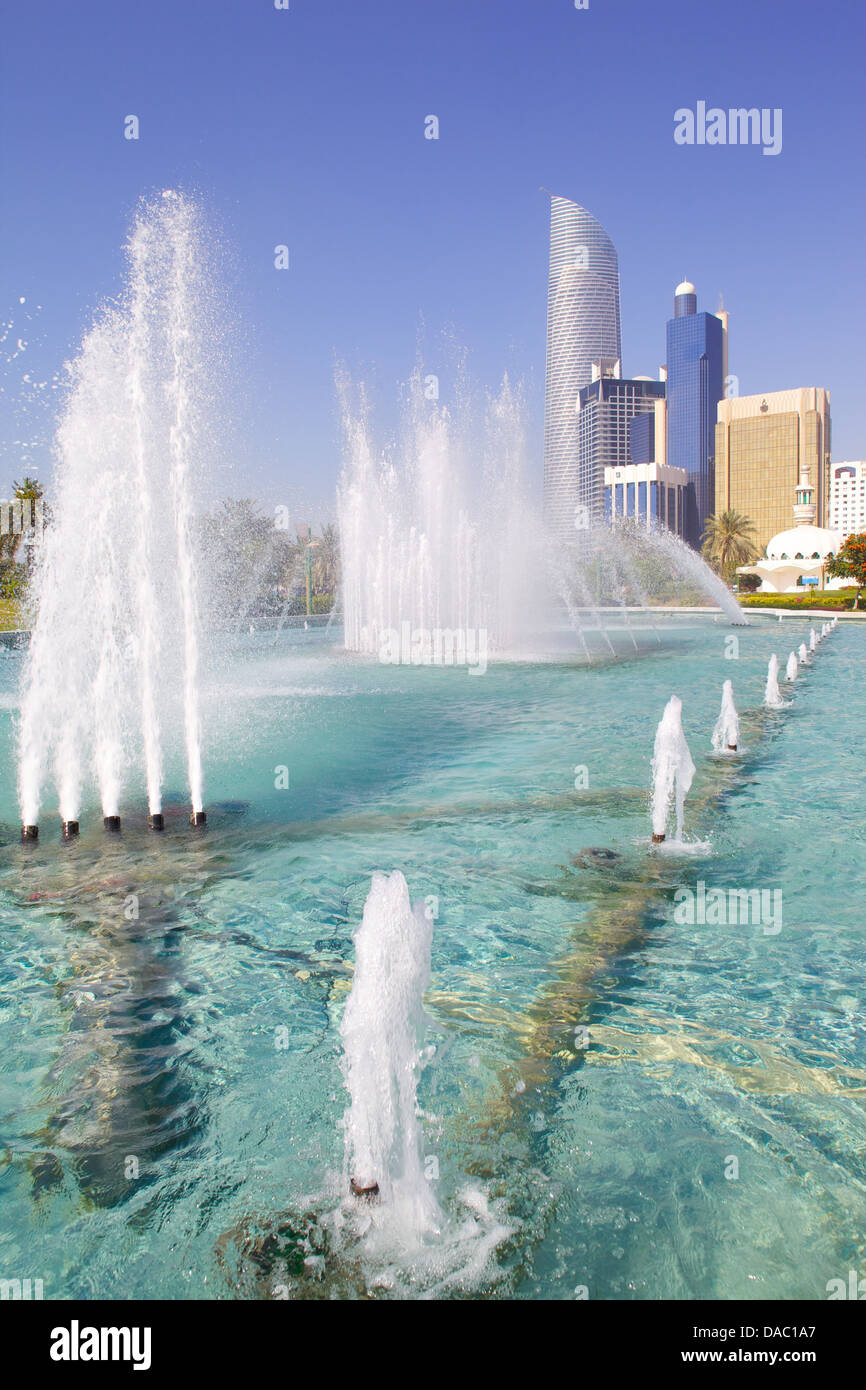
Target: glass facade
[(695, 367), (605, 423), (649, 494), (761, 450), (642, 439), (583, 327)]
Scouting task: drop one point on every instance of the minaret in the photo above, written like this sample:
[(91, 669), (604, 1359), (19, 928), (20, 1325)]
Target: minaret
[(804, 507)]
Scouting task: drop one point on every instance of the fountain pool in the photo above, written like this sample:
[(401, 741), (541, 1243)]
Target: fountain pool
[(172, 1081)]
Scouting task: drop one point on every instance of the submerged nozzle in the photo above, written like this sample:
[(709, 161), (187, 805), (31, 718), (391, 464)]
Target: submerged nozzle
[(30, 832), (156, 820), (657, 839), (361, 1189), (70, 829), (112, 823), (732, 748), (198, 818)]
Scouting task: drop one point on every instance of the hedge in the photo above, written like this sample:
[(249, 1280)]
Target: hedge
[(830, 600)]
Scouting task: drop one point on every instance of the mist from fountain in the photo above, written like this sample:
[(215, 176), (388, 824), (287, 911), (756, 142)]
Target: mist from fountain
[(382, 1030), (115, 640), (726, 734), (680, 558), (430, 539), (672, 771)]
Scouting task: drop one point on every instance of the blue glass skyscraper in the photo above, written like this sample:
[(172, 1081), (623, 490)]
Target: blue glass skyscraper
[(696, 367)]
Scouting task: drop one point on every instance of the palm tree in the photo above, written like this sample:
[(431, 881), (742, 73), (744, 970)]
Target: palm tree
[(326, 561), (728, 541)]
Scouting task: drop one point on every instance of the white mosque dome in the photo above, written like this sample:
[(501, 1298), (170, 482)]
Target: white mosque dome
[(804, 543), (685, 288)]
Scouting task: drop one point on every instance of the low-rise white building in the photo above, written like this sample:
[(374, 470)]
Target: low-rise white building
[(847, 512), (797, 559)]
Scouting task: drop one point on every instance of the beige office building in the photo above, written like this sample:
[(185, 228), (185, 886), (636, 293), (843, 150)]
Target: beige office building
[(762, 445)]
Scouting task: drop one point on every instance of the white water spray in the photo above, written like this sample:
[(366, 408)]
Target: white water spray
[(381, 1031), (726, 734), (115, 641), (772, 693), (422, 541), (793, 667), (672, 770), (434, 538)]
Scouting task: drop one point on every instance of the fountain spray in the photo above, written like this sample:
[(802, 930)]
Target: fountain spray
[(772, 693), (672, 770), (727, 731), (115, 589), (381, 1030), (793, 667)]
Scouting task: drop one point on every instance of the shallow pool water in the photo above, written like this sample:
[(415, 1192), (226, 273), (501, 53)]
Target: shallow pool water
[(615, 1100)]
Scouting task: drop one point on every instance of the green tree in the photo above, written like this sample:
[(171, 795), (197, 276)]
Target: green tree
[(249, 560), (326, 561), (850, 563), (728, 541)]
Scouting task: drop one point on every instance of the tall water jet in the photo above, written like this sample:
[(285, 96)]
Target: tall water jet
[(425, 540), (115, 640), (381, 1031), (726, 734), (772, 693), (802, 654), (813, 640), (672, 771), (793, 667)]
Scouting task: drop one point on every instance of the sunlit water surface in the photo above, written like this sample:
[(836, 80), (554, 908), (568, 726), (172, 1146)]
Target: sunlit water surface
[(612, 1100)]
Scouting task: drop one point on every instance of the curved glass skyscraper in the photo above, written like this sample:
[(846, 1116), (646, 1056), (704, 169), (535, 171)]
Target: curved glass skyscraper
[(583, 331)]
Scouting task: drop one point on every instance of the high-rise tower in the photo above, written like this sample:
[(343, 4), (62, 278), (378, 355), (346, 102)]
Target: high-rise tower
[(696, 366), (583, 329)]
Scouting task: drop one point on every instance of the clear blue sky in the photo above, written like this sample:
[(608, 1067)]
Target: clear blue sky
[(306, 127)]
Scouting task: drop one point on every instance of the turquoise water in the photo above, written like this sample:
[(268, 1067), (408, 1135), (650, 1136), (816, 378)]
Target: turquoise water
[(171, 1097)]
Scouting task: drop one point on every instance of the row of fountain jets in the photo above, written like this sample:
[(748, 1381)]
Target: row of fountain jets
[(673, 769), (383, 1019), (112, 666)]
